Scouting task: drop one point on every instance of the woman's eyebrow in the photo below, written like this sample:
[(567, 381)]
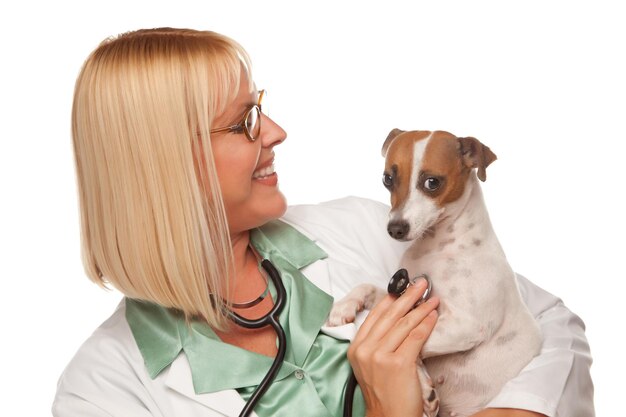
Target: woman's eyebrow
[(241, 110), (235, 115), (244, 107)]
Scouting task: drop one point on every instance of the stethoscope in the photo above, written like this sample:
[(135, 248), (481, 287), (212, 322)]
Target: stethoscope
[(397, 286), (270, 318)]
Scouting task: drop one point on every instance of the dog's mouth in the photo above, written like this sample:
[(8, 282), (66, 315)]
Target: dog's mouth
[(429, 232)]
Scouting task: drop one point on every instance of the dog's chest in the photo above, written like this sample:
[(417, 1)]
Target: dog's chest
[(452, 262)]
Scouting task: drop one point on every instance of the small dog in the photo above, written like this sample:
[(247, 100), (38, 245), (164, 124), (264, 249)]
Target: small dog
[(485, 335)]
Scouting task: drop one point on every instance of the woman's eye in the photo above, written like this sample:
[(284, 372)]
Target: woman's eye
[(387, 181), (431, 184)]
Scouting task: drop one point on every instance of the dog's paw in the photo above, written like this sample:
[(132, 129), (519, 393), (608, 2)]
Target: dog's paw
[(429, 394), (344, 312)]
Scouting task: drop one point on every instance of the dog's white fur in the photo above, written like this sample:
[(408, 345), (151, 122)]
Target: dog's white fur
[(484, 335)]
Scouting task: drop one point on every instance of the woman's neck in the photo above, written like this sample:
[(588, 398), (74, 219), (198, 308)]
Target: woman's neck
[(241, 251), (247, 284)]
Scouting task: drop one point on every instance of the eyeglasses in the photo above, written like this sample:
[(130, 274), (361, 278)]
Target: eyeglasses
[(250, 124)]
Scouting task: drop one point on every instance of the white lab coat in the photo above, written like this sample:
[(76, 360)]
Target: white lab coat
[(107, 376)]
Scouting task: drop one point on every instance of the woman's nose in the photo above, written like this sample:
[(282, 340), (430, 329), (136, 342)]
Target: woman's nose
[(271, 133)]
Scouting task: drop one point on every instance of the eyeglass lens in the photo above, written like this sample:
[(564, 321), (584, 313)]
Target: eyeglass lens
[(253, 122)]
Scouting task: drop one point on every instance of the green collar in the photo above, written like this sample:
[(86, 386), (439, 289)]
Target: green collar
[(162, 333)]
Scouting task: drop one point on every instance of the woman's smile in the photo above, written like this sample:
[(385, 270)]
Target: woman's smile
[(266, 173)]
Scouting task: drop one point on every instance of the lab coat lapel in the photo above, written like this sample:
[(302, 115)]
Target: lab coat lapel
[(227, 402), (317, 273)]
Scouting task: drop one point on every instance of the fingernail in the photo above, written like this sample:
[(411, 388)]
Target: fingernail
[(433, 300), (421, 282)]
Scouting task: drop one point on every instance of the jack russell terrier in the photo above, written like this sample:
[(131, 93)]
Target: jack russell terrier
[(485, 334)]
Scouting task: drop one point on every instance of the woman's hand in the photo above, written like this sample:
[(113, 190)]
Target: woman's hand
[(385, 351)]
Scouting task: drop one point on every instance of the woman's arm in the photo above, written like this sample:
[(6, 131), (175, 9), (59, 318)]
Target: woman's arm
[(557, 382)]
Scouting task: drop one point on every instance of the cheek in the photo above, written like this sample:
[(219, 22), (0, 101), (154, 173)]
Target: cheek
[(234, 166)]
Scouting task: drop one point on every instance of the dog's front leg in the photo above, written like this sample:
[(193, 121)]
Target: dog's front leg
[(430, 398), (362, 297)]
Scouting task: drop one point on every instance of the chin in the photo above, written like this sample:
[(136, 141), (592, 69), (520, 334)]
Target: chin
[(272, 208), (281, 205)]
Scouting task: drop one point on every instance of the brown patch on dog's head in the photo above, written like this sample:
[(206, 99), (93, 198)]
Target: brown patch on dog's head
[(398, 149), (442, 162), (448, 160)]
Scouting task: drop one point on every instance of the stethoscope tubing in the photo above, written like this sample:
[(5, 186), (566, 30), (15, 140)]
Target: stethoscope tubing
[(270, 318)]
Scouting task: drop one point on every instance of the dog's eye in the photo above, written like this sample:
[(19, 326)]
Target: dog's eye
[(431, 184), (387, 181)]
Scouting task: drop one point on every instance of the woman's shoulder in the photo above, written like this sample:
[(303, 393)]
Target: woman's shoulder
[(108, 365), (111, 341)]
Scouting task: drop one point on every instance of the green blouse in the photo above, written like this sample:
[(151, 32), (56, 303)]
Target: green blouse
[(312, 379)]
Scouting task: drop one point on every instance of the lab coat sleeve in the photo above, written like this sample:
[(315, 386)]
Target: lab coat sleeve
[(72, 405), (557, 382), (97, 396)]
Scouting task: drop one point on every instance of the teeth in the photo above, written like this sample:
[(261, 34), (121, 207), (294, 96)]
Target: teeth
[(264, 172)]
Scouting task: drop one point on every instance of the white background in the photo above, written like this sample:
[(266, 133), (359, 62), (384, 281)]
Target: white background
[(540, 82)]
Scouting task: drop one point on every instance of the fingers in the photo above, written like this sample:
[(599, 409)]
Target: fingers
[(387, 313), (413, 325), (386, 349), (412, 345)]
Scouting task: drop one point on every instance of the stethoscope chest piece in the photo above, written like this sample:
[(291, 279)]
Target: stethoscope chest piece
[(400, 281)]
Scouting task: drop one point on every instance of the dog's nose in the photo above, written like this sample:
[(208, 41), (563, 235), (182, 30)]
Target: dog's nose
[(398, 229)]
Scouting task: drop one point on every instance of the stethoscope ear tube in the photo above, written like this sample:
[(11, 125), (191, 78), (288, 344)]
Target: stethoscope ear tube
[(270, 318)]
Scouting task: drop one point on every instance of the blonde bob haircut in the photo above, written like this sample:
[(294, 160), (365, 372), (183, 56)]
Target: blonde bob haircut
[(153, 223)]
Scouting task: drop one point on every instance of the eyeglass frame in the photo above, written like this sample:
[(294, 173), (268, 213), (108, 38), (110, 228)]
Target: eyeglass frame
[(242, 124)]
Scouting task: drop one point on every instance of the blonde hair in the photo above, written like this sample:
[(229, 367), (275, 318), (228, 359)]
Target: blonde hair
[(152, 218)]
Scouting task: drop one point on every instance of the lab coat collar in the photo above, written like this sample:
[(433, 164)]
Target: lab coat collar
[(289, 243)]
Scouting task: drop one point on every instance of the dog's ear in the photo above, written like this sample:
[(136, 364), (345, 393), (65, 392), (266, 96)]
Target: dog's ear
[(476, 155), (390, 137)]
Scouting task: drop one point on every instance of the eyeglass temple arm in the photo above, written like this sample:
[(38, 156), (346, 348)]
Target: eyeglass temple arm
[(224, 129)]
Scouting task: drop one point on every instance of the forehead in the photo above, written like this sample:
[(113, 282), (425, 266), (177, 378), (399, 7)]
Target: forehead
[(247, 95), (401, 149), (439, 154)]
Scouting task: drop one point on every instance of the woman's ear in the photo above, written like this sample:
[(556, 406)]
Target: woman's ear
[(476, 155), (390, 137)]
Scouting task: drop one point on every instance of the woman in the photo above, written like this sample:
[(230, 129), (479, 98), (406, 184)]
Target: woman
[(179, 203)]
